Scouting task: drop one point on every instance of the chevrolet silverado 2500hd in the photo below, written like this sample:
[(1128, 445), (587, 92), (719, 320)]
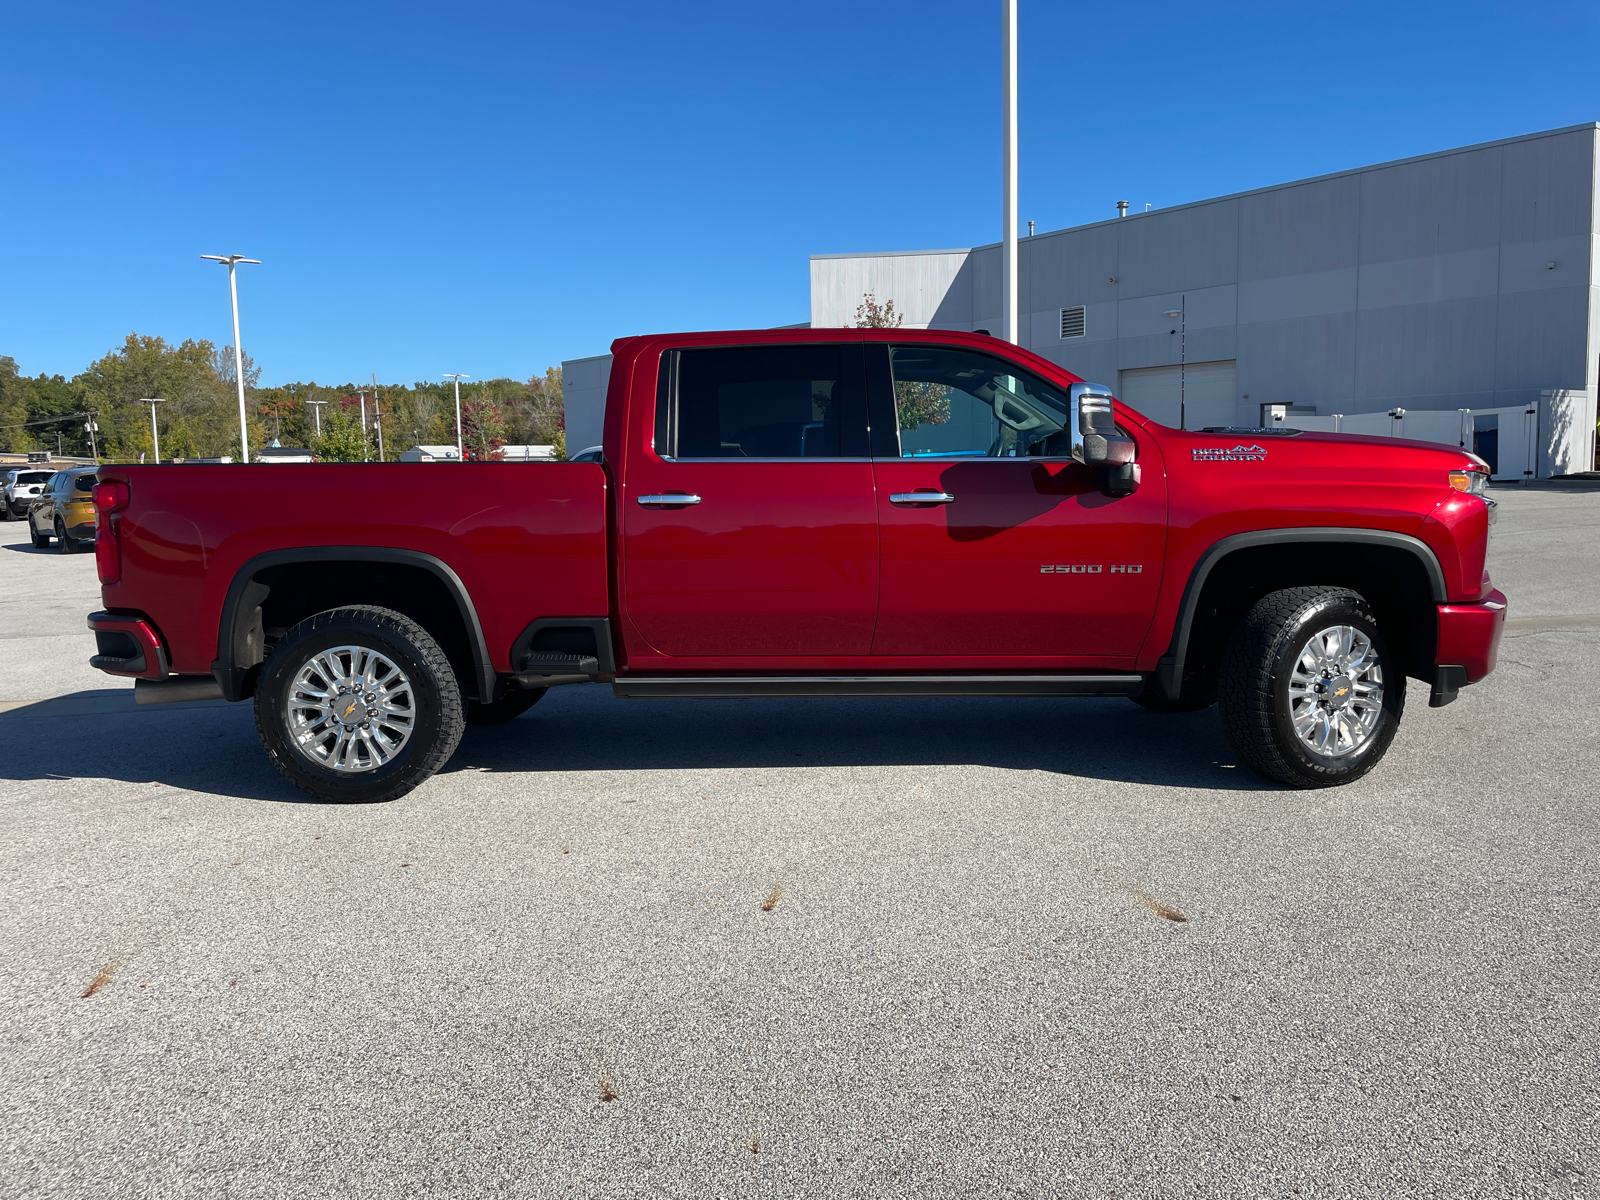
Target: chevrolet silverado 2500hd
[(814, 513)]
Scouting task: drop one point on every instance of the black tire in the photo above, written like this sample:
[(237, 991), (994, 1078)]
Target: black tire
[(65, 544), (40, 540), (1192, 700), (512, 705), (1254, 687), (439, 712)]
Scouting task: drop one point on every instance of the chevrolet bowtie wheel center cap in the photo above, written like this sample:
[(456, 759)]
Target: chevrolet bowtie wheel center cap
[(1336, 692)]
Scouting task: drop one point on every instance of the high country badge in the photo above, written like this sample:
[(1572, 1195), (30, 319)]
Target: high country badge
[(1250, 453)]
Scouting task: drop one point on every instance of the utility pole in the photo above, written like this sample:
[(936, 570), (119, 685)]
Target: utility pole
[(461, 453), (316, 407), (1181, 315), (1008, 220), (155, 434), (91, 427), (377, 416), (232, 261)]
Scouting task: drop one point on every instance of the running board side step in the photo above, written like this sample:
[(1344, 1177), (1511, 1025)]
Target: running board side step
[(729, 686)]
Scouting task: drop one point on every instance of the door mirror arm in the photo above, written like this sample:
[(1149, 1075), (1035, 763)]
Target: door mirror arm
[(1097, 442)]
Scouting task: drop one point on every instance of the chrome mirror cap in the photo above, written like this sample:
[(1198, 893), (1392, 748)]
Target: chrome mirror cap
[(1095, 440)]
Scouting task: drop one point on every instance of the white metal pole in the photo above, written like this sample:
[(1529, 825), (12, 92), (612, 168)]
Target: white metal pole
[(238, 365), (461, 453), (1008, 249), (155, 434), (366, 455)]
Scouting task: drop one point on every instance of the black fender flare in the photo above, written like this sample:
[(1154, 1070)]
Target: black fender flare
[(1169, 671), (230, 676)]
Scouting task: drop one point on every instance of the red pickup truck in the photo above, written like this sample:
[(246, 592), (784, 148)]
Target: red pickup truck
[(821, 512)]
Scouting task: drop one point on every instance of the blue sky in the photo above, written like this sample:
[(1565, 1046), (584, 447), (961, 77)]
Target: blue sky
[(492, 188)]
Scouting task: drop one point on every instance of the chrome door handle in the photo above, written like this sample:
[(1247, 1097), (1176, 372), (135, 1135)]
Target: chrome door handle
[(921, 498), (669, 500)]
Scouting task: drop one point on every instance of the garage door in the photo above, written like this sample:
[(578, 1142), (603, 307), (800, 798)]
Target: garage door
[(1208, 391)]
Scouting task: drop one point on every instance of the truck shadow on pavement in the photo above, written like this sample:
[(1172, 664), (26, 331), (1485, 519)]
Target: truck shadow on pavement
[(212, 748)]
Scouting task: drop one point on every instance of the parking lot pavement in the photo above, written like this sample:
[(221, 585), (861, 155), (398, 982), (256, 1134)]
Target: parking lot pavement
[(811, 948)]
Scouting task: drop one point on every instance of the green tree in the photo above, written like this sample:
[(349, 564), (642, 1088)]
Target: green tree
[(341, 439), (483, 428)]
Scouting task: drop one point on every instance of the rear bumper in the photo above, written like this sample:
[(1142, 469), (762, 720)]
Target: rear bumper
[(128, 645), (1468, 645)]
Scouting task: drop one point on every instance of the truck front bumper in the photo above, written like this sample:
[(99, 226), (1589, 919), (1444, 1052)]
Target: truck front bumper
[(1468, 645)]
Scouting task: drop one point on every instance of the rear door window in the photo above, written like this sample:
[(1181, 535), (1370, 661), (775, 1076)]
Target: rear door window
[(788, 402)]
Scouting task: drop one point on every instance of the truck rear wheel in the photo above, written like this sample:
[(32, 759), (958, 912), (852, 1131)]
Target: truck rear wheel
[(1309, 693), (358, 705)]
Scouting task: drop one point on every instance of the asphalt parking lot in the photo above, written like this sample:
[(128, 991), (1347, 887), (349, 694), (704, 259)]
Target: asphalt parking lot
[(807, 948)]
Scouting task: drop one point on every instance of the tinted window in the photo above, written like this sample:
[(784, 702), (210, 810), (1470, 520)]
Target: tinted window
[(955, 403), (765, 402), (33, 476), (83, 483)]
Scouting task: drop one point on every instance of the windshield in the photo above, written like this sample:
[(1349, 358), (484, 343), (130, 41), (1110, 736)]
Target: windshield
[(34, 476)]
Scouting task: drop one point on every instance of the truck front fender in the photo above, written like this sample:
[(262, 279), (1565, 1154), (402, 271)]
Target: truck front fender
[(1169, 670)]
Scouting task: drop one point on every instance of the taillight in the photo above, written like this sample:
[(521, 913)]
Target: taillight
[(109, 497)]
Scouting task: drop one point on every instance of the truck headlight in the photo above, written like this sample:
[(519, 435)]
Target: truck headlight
[(1474, 483)]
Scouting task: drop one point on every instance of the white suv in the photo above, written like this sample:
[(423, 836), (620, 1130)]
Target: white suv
[(21, 488)]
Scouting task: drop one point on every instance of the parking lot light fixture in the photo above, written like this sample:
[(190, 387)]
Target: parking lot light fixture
[(316, 407), (461, 453), (155, 434), (232, 261)]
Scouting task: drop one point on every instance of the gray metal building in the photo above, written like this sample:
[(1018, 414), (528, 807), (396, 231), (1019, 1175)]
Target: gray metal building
[(1463, 280)]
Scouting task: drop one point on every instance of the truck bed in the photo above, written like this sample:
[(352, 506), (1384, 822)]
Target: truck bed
[(526, 540)]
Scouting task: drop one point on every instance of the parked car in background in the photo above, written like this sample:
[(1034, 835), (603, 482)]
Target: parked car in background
[(431, 454), (64, 510), (21, 485), (592, 454)]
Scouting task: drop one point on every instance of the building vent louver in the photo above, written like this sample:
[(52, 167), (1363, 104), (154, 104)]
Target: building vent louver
[(1072, 321)]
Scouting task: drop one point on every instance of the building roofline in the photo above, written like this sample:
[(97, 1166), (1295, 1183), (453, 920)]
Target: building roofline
[(898, 253), (1274, 187)]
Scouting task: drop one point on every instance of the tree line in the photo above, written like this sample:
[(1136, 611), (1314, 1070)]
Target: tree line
[(200, 416)]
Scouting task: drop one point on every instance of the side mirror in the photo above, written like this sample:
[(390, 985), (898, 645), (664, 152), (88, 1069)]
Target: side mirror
[(1097, 443)]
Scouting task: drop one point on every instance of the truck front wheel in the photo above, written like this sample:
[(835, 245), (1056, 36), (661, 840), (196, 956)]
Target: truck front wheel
[(358, 705), (1309, 693)]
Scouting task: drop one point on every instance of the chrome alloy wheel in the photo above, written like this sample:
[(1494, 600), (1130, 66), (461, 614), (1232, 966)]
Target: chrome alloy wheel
[(1336, 692), (350, 709)]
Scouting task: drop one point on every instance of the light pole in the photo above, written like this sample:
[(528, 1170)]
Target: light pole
[(155, 434), (316, 407), (1181, 315), (461, 453), (232, 261), (1008, 220)]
